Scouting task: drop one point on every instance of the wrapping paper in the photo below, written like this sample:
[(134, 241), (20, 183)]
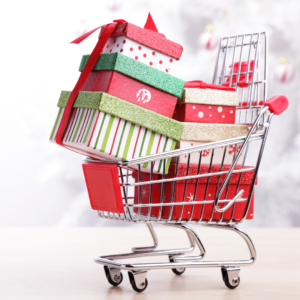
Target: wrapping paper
[(201, 132), (210, 97)]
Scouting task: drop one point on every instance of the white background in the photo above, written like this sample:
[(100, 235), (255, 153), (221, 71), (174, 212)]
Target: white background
[(42, 184)]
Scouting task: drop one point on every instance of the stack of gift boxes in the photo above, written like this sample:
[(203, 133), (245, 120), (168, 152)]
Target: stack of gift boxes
[(131, 106), (125, 107)]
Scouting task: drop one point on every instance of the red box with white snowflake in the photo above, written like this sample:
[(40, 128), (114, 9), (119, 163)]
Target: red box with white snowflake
[(131, 90), (239, 207), (207, 106), (145, 194), (206, 210), (148, 46)]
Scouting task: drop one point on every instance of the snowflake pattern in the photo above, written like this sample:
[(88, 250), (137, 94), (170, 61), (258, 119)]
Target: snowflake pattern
[(232, 149), (191, 198), (144, 193), (205, 152)]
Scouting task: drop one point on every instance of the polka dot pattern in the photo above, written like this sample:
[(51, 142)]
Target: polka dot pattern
[(140, 52)]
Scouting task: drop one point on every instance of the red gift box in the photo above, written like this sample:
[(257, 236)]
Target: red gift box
[(131, 90), (239, 208), (145, 194), (149, 38), (203, 113)]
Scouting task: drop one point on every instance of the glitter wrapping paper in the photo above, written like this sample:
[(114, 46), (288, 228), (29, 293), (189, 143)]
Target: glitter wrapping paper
[(125, 110), (201, 132), (148, 38), (138, 71), (209, 96)]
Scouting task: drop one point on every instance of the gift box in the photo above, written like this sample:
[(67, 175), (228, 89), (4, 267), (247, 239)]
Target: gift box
[(218, 154), (206, 210), (207, 106), (145, 45), (132, 81), (205, 132), (104, 126), (137, 70)]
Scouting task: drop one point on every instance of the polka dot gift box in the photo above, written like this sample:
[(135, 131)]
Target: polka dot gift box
[(145, 45), (207, 105)]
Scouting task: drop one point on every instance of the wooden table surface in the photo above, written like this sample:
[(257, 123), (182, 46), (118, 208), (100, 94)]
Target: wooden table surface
[(57, 263)]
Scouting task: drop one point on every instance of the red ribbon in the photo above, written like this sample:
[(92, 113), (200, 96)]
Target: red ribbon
[(103, 38), (197, 84)]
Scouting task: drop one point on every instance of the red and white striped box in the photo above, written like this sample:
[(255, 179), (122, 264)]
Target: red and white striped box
[(231, 151), (147, 46), (207, 106)]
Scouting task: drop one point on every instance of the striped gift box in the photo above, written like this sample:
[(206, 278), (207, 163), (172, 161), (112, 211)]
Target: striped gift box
[(99, 133)]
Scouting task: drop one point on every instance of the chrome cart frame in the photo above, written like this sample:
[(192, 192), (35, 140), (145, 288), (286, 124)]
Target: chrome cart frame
[(252, 111)]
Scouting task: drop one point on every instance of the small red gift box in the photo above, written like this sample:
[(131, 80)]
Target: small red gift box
[(239, 207), (131, 90), (204, 105)]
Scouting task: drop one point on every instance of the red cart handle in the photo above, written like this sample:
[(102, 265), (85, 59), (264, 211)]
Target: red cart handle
[(277, 104)]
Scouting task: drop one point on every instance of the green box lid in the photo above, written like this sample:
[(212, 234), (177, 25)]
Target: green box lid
[(125, 110), (138, 71)]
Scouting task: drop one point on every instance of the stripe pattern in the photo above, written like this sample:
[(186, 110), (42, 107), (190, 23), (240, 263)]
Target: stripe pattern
[(102, 135)]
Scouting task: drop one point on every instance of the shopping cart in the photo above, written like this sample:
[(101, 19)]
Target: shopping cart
[(139, 197)]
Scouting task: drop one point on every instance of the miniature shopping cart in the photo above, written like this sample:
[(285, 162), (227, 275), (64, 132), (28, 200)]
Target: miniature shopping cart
[(217, 194)]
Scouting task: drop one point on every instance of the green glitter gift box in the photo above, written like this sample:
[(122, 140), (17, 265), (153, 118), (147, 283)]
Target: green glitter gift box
[(104, 126)]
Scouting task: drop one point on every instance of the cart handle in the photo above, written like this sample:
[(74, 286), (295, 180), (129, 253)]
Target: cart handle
[(276, 105)]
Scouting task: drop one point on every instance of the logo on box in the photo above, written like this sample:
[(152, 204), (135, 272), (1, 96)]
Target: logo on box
[(143, 96)]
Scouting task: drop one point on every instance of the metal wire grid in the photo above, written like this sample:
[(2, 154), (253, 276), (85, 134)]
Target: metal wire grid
[(235, 50)]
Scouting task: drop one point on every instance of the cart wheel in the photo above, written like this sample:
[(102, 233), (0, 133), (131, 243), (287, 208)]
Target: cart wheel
[(177, 271), (133, 283), (231, 285), (113, 281)]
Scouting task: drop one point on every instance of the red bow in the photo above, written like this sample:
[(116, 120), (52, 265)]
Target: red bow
[(103, 38)]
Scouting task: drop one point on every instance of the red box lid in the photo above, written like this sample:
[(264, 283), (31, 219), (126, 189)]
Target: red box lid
[(149, 38), (246, 178)]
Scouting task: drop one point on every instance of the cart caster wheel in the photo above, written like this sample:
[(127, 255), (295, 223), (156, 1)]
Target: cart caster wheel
[(177, 271), (138, 287), (232, 282), (117, 278)]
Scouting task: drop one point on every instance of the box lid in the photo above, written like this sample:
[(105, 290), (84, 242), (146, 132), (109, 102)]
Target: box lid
[(138, 71), (148, 38), (208, 132), (209, 96), (125, 110)]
